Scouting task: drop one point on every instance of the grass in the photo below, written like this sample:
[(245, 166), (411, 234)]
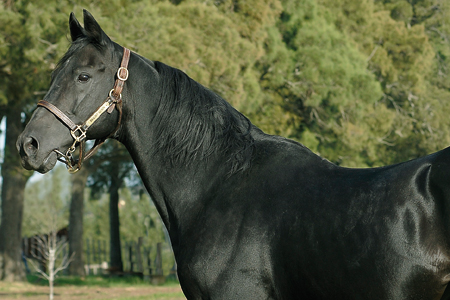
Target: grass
[(94, 287), (95, 281), (162, 296)]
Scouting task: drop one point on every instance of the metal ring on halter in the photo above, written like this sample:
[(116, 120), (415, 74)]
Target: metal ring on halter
[(61, 154), (78, 132), (81, 136), (118, 74), (67, 158), (112, 97)]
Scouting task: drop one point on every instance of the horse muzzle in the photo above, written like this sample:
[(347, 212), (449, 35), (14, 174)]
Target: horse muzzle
[(32, 157)]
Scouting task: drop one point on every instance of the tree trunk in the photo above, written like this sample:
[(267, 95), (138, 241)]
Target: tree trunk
[(14, 181), (78, 179), (115, 249)]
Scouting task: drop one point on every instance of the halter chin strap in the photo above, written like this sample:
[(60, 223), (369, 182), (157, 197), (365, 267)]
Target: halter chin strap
[(78, 132)]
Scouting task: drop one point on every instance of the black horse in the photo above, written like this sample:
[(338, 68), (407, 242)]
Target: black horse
[(250, 215)]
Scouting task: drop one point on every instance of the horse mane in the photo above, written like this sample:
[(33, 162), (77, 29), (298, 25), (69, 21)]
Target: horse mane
[(195, 123)]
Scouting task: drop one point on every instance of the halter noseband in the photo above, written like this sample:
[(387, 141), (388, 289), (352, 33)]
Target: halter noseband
[(78, 132)]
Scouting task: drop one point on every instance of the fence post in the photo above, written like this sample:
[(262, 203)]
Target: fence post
[(94, 252), (124, 251), (25, 245), (149, 260), (130, 255), (105, 257), (64, 252), (99, 252), (158, 277), (88, 256), (158, 261), (140, 267), (25, 253)]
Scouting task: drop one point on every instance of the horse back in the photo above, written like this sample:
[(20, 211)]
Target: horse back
[(295, 226), (345, 233)]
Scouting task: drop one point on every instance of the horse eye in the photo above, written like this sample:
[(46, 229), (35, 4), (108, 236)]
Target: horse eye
[(83, 77)]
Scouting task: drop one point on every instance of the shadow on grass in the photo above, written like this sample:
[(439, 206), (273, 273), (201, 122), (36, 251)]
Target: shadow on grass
[(102, 281), (26, 294)]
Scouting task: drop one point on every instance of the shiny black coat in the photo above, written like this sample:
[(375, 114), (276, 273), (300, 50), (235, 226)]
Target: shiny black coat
[(295, 226), (253, 216)]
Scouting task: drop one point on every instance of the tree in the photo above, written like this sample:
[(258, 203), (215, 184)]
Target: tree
[(361, 82), (53, 250), (319, 78), (18, 84), (99, 176), (14, 180), (76, 221), (403, 40), (46, 196), (394, 55), (110, 176), (213, 44), (351, 79)]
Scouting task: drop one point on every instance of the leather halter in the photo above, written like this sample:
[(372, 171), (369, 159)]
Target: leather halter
[(78, 132)]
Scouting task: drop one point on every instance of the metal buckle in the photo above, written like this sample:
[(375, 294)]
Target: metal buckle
[(81, 136), (118, 74), (112, 97), (73, 170), (65, 160), (68, 159)]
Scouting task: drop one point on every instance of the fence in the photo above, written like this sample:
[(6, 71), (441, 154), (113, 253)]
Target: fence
[(96, 257), (136, 259), (37, 249)]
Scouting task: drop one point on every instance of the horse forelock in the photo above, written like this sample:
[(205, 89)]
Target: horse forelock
[(74, 48), (195, 123)]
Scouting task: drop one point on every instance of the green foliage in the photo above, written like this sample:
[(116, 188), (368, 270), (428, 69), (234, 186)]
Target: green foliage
[(47, 203), (251, 16), (46, 206), (323, 83), (361, 82), (138, 218), (200, 40), (412, 85), (31, 35), (358, 80)]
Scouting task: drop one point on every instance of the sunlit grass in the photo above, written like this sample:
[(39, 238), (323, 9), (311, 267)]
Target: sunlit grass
[(93, 288)]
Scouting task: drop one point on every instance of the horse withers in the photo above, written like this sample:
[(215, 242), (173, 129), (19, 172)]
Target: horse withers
[(250, 215)]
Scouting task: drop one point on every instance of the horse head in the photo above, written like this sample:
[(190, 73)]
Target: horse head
[(83, 79)]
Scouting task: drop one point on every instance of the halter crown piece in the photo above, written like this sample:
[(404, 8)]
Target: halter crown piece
[(78, 132)]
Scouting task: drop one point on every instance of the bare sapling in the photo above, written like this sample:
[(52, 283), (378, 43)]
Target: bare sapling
[(54, 251)]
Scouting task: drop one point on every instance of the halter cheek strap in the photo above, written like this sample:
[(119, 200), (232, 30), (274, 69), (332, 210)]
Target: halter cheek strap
[(78, 132)]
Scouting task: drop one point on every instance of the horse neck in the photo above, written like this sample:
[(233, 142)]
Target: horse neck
[(178, 193), (179, 190)]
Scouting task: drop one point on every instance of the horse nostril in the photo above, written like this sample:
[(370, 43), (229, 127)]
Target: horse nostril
[(30, 145)]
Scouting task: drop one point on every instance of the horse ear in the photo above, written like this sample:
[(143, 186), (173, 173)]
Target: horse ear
[(76, 31), (93, 30)]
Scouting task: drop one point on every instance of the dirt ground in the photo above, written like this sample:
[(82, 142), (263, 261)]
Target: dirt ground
[(27, 291)]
